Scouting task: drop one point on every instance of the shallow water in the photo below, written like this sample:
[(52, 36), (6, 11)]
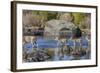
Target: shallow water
[(55, 45), (69, 57)]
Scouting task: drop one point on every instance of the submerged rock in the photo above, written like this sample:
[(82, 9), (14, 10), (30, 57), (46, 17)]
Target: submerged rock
[(38, 56)]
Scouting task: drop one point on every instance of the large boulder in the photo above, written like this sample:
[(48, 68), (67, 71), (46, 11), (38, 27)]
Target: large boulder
[(53, 27)]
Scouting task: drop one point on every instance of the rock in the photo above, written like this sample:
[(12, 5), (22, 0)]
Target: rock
[(66, 16), (53, 27), (30, 20), (39, 55)]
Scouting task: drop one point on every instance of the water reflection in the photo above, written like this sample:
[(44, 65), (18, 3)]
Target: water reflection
[(56, 50)]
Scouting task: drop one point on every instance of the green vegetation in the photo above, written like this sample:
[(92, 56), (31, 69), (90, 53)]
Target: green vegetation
[(78, 17), (75, 17)]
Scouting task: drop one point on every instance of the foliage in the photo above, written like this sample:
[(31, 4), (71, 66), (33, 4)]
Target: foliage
[(48, 15), (78, 17)]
